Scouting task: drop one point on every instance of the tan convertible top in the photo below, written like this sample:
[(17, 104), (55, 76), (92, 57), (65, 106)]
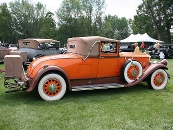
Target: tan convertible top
[(33, 42), (83, 44), (91, 39)]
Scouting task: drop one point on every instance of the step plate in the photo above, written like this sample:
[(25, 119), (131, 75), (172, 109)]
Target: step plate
[(98, 86)]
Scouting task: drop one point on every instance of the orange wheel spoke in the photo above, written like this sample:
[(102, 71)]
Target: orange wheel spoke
[(58, 87)]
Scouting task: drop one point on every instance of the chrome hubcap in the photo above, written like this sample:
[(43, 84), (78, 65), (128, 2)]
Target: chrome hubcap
[(52, 88), (159, 80), (134, 73)]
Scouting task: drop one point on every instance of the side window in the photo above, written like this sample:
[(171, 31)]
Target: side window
[(41, 46), (108, 47), (72, 46), (26, 43)]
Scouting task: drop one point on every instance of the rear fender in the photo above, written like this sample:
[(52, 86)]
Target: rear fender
[(146, 73), (33, 82)]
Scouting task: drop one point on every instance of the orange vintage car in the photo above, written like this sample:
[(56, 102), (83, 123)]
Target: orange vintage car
[(91, 62)]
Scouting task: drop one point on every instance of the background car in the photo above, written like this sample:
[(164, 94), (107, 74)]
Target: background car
[(31, 48), (170, 49), (13, 47), (127, 48), (4, 51), (167, 49), (4, 45)]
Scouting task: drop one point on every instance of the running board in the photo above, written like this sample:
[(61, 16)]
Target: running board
[(97, 86)]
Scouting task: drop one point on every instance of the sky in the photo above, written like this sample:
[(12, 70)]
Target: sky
[(121, 8)]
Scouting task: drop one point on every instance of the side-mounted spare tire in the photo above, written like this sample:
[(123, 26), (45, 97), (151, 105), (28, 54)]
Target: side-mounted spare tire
[(131, 70), (158, 79)]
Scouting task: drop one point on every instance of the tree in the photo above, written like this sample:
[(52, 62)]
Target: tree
[(155, 17), (6, 30), (32, 20), (142, 23), (68, 15), (79, 17), (23, 19), (92, 11), (27, 18), (48, 29), (167, 13), (115, 27)]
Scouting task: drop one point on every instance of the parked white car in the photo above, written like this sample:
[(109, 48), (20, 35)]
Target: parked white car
[(13, 47)]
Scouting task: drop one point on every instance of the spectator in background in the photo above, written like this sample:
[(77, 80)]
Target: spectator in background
[(161, 55), (108, 46), (136, 48), (41, 46), (158, 47), (142, 46)]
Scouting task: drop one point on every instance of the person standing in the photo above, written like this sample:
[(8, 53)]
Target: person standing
[(142, 46), (158, 47), (136, 48)]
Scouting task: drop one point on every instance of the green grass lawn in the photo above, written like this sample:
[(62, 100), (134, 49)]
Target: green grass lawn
[(134, 108)]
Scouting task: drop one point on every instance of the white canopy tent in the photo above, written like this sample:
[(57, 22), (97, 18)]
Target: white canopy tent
[(139, 38)]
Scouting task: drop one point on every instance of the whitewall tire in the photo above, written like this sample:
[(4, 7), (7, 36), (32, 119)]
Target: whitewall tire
[(52, 87), (131, 70), (158, 80)]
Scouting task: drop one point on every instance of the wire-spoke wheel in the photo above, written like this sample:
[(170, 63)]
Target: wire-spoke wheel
[(52, 87)]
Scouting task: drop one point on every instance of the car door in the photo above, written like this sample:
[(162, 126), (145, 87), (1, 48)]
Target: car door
[(51, 49), (108, 62), (88, 68)]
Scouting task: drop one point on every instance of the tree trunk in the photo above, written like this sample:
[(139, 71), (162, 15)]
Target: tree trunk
[(153, 19), (168, 33)]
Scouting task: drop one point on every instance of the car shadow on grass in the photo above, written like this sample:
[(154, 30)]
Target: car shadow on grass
[(104, 94)]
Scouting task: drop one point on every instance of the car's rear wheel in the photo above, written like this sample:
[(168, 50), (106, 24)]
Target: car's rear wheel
[(158, 79), (131, 70), (52, 87)]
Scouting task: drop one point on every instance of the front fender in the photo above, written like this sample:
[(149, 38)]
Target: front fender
[(146, 73), (33, 82)]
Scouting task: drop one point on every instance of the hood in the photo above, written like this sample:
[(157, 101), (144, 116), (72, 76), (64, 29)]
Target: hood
[(54, 57), (132, 54), (30, 52)]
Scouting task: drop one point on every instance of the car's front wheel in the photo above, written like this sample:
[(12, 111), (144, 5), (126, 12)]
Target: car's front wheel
[(158, 79), (52, 87)]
